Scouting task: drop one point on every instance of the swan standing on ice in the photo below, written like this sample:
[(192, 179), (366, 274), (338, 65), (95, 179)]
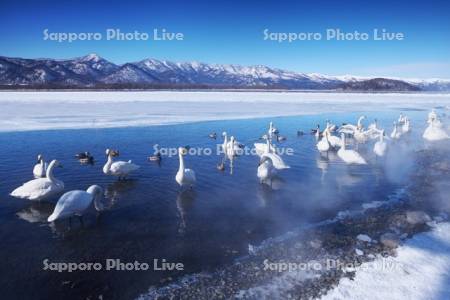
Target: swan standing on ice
[(184, 177), (395, 134), (118, 168), (75, 203), (350, 156), (40, 188), (380, 146), (266, 170), (40, 168)]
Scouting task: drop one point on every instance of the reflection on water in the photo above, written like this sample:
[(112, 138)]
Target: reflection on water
[(114, 192), (185, 201), (148, 216), (36, 212)]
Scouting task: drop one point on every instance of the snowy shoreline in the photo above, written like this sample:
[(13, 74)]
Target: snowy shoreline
[(412, 275), (23, 111)]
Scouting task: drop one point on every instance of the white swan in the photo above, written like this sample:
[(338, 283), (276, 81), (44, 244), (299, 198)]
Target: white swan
[(75, 203), (40, 188), (335, 142), (396, 133), (233, 148), (184, 177), (324, 144), (350, 128), (401, 119), (272, 130), (380, 146), (276, 159), (332, 127), (434, 131), (40, 168), (262, 148), (317, 133), (225, 142), (357, 131), (432, 116), (350, 156), (406, 127), (118, 168), (266, 170)]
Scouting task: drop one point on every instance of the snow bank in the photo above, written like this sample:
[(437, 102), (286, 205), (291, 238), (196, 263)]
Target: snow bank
[(87, 109), (420, 271)]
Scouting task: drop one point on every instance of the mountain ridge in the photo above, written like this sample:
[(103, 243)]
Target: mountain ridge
[(92, 70)]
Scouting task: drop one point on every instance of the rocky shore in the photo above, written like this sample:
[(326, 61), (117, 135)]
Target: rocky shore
[(317, 258)]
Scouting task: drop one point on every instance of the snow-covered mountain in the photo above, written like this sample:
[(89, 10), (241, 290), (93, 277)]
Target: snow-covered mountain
[(92, 70)]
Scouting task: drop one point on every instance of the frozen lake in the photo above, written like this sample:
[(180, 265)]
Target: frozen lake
[(61, 110)]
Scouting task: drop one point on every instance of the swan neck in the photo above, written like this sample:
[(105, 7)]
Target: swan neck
[(181, 168), (108, 164), (49, 173)]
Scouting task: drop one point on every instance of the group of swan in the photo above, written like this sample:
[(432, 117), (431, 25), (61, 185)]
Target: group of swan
[(232, 147), (270, 160), (330, 142), (74, 203), (361, 135), (40, 188)]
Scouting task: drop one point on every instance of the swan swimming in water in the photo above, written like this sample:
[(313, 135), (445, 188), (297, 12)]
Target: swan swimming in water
[(324, 144), (276, 159), (395, 134), (40, 188), (317, 133), (40, 168), (233, 148), (349, 156), (357, 131), (262, 148), (380, 146), (266, 170), (272, 130), (185, 177), (118, 168), (406, 127), (75, 203), (435, 131), (350, 128)]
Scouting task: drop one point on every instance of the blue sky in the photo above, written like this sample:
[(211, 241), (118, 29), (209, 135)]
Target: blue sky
[(232, 32)]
